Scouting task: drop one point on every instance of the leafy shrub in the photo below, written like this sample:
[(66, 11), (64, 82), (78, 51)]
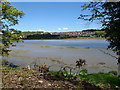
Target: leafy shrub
[(64, 74), (113, 72), (83, 72), (107, 80)]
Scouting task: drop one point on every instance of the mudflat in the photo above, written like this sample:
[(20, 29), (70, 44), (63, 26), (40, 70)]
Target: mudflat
[(57, 56)]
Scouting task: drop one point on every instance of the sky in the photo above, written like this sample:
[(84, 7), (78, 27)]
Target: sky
[(53, 17)]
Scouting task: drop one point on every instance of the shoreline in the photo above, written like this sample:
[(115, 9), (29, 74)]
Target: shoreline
[(42, 77), (67, 38)]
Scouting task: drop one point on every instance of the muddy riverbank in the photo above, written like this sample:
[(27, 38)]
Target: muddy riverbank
[(58, 56)]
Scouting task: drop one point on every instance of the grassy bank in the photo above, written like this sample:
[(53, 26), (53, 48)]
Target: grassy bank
[(42, 77)]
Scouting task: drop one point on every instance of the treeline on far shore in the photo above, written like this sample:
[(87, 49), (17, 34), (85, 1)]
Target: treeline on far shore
[(47, 35)]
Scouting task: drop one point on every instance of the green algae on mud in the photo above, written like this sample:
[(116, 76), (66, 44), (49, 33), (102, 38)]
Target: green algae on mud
[(87, 47), (61, 54), (72, 47)]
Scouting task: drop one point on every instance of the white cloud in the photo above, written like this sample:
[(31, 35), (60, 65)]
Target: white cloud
[(41, 30), (65, 28), (59, 28), (34, 30)]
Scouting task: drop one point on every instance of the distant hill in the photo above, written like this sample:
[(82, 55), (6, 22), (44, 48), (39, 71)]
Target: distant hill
[(90, 30)]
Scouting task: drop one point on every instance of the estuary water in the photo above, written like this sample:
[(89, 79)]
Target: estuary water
[(59, 53), (95, 43)]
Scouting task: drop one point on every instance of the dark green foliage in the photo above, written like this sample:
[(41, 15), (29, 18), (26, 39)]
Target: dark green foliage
[(100, 33), (47, 36), (9, 17), (104, 80), (107, 80), (43, 36), (91, 30), (108, 13), (9, 36), (58, 73), (83, 72), (112, 72), (61, 74)]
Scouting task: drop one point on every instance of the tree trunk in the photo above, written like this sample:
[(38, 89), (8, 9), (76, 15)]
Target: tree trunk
[(119, 66), (118, 69)]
